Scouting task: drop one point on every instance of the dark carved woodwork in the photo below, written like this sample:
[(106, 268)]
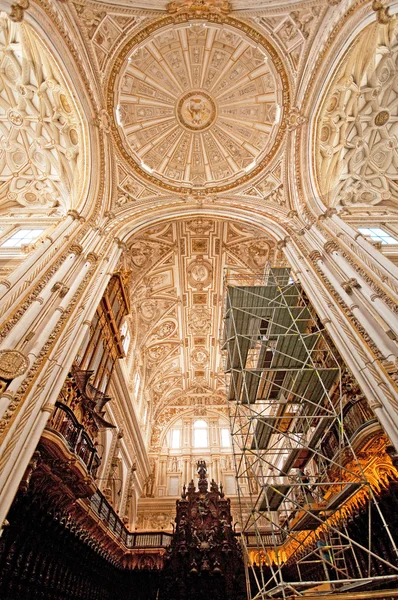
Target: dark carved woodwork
[(204, 559)]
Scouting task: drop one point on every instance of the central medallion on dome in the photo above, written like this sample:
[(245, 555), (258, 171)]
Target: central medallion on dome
[(196, 111), (198, 104)]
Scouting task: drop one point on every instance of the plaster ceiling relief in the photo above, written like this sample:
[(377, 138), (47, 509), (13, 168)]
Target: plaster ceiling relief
[(357, 125), (177, 305), (198, 104), (105, 28), (41, 133), (293, 29)]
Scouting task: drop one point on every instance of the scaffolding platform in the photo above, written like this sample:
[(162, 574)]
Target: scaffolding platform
[(285, 405), (273, 495)]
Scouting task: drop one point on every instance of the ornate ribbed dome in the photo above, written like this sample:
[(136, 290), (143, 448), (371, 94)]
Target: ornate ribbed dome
[(198, 104)]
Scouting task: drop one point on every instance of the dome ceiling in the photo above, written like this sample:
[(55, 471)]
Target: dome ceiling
[(198, 104)]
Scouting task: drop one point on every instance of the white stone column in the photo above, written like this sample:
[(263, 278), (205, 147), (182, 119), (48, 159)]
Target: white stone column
[(26, 429), (28, 269), (386, 345), (370, 375), (38, 305)]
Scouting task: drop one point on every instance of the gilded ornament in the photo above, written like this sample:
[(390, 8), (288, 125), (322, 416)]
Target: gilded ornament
[(200, 273), (196, 111), (381, 118), (12, 364), (229, 134)]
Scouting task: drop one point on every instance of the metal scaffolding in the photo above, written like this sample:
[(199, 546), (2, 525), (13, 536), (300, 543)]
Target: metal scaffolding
[(297, 473)]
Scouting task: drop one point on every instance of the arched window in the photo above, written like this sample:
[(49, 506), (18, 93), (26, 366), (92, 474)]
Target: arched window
[(200, 434)]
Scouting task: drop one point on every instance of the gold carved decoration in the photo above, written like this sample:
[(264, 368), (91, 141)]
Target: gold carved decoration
[(12, 364), (196, 7)]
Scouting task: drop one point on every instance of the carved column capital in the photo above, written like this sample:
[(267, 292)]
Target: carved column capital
[(330, 247), (350, 284), (92, 257), (121, 244), (18, 9), (75, 215), (382, 14), (76, 249), (315, 255), (283, 243), (327, 214), (60, 287)]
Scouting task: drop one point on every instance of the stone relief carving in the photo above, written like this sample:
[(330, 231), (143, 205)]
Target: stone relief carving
[(41, 134), (293, 30), (358, 126), (200, 273), (198, 5), (199, 320)]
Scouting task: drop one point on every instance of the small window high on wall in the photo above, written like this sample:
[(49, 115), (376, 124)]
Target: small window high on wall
[(175, 441), (200, 434), (225, 437), (378, 235), (125, 333), (22, 237)]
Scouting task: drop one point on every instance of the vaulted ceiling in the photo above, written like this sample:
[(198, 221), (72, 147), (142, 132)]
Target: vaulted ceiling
[(41, 131), (177, 272)]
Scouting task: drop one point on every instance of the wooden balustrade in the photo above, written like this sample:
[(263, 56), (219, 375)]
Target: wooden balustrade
[(64, 421)]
